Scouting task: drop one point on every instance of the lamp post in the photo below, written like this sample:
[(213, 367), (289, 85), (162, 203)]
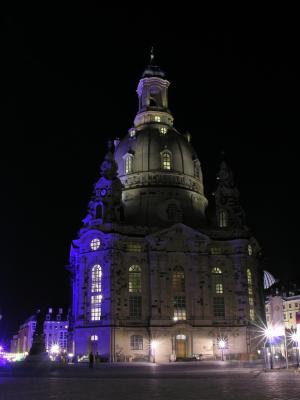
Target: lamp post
[(269, 334), (295, 339)]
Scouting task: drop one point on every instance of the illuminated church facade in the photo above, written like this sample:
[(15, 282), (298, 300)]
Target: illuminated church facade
[(153, 278)]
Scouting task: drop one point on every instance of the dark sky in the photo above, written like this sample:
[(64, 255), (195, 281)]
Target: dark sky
[(69, 81)]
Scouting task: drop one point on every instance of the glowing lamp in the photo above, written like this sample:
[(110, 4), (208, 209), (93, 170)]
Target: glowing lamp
[(222, 344), (54, 349), (153, 344)]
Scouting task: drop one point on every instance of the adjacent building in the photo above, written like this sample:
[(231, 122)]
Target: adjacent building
[(153, 277), (284, 311), (55, 330)]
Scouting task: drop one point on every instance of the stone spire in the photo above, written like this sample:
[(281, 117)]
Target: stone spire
[(230, 214), (106, 205)]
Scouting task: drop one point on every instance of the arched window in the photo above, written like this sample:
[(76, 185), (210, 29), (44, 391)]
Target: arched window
[(217, 280), (166, 160), (128, 164), (196, 169), (136, 342), (96, 279), (250, 250), (223, 219), (135, 281), (96, 296), (178, 280)]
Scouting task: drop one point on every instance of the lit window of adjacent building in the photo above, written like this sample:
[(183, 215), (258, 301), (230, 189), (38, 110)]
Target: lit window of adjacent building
[(284, 315), (163, 130), (178, 280), (166, 160), (223, 219), (135, 307), (96, 296), (157, 118), (95, 244), (291, 315), (217, 280), (128, 164), (179, 308), (136, 342), (134, 279), (250, 295)]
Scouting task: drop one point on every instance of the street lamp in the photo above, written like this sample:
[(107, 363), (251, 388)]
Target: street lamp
[(54, 350), (153, 346)]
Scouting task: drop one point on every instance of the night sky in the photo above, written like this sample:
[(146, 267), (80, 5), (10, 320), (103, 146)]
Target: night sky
[(69, 83)]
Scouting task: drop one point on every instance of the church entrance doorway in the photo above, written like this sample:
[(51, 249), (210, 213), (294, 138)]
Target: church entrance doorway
[(93, 344), (180, 346)]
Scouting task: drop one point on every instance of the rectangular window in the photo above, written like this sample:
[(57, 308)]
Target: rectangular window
[(223, 219), (96, 307), (219, 307), (133, 247), (179, 308), (284, 315), (291, 315), (135, 307), (251, 301), (296, 304), (136, 342), (215, 250), (252, 314), (290, 306)]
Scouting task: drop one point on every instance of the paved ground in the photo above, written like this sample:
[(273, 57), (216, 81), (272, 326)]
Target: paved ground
[(184, 381)]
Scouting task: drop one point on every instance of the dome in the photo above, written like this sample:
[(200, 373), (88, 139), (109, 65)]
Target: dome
[(161, 177), (269, 280), (146, 146)]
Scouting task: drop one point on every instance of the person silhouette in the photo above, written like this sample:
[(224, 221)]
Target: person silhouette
[(91, 360)]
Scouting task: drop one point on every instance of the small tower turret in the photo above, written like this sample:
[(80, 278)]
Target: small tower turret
[(106, 205), (230, 214)]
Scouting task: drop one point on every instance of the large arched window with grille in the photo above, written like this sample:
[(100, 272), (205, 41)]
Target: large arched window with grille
[(135, 289), (218, 292), (135, 281), (166, 160), (179, 302), (217, 280), (96, 292), (178, 279)]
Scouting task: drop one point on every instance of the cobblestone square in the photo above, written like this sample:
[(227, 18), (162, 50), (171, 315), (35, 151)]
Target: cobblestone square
[(188, 381)]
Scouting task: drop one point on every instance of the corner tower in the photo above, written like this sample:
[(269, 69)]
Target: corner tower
[(158, 167)]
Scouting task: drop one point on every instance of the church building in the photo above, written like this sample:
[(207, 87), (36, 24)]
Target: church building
[(153, 277)]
